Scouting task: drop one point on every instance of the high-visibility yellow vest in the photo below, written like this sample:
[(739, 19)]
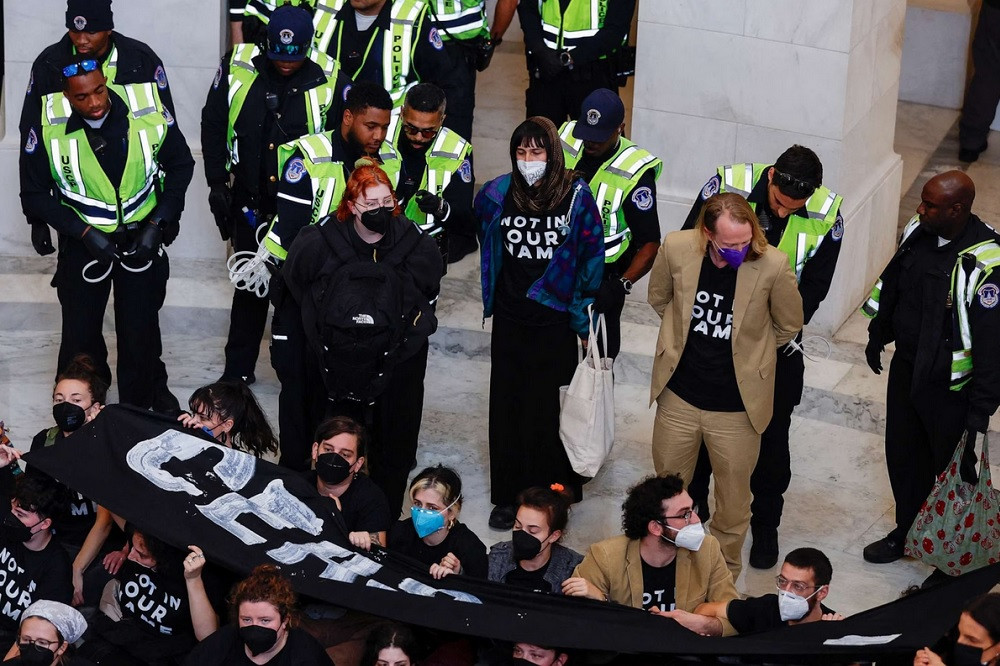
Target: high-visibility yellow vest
[(611, 184), (261, 9), (77, 173), (565, 30), (460, 19), (802, 235)]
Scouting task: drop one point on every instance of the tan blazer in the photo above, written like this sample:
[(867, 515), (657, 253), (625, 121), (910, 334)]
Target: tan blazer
[(614, 567), (767, 313)]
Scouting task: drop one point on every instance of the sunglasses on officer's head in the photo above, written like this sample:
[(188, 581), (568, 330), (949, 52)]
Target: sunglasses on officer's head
[(286, 49), (78, 68), (792, 186)]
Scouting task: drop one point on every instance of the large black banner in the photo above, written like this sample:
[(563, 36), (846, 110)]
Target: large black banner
[(185, 489)]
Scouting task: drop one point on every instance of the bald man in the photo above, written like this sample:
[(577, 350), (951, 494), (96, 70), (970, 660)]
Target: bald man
[(938, 303)]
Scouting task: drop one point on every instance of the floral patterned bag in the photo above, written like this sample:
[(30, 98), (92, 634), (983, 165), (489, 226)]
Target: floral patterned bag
[(958, 527)]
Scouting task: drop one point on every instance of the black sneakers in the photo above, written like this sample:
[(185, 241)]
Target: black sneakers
[(764, 550), (883, 551)]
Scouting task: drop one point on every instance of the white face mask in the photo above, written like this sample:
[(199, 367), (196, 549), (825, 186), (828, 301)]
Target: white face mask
[(532, 171), (793, 607), (689, 536)]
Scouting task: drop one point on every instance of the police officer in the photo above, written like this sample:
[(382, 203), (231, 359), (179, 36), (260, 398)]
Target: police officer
[(573, 48), (937, 299), (108, 171), (252, 17), (801, 218), (622, 177), (258, 102), (315, 169), (431, 168)]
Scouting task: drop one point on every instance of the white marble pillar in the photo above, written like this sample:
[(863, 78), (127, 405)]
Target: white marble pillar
[(188, 37), (741, 80)]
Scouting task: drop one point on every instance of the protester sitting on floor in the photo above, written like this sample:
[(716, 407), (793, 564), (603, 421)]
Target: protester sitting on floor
[(665, 547), (978, 636), (229, 412), (534, 558), (526, 653), (155, 609), (803, 584), (391, 644), (432, 533), (338, 454), (264, 628), (46, 635)]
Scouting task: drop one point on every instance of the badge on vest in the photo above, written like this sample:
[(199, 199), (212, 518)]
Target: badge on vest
[(989, 295), (218, 78), (161, 78), (169, 118), (465, 171), (435, 39), (79, 23), (32, 143), (295, 170), (643, 198), (711, 187), (838, 228)]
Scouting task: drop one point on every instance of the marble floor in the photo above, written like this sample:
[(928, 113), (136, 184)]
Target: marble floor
[(839, 498)]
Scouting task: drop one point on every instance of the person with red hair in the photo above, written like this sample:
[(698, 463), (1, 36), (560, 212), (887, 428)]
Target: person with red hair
[(367, 281)]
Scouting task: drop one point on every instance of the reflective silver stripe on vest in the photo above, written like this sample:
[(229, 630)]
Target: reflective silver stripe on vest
[(727, 179), (824, 209), (315, 157)]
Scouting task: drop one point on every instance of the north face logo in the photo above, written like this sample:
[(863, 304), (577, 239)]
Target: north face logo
[(363, 319)]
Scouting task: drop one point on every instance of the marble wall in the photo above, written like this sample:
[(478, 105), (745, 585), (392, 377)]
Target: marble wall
[(741, 80)]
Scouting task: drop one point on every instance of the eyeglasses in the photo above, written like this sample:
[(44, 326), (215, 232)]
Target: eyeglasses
[(797, 586), (286, 49), (40, 642), (77, 68), (426, 132), (800, 189), (686, 515), (363, 206)]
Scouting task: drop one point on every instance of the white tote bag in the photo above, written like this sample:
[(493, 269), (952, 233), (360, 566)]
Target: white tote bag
[(587, 406)]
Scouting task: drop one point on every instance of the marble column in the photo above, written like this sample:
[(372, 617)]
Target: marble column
[(186, 34), (741, 80)]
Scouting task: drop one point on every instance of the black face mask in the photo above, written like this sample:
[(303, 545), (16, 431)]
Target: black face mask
[(518, 661), (258, 639), (35, 654), (524, 545), (376, 220), (966, 655), (15, 529), (332, 468), (69, 417)]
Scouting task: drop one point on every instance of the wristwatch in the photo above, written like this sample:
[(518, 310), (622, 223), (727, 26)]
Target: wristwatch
[(627, 284)]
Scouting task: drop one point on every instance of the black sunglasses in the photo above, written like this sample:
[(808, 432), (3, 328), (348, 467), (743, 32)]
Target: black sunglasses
[(426, 132), (800, 189), (77, 68), (287, 49)]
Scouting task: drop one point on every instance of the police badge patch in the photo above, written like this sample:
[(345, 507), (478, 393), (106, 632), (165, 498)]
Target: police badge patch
[(711, 187), (32, 143), (465, 171), (593, 117), (161, 78), (643, 198), (837, 232), (79, 23), (169, 118), (295, 170), (286, 36), (435, 39), (989, 295)]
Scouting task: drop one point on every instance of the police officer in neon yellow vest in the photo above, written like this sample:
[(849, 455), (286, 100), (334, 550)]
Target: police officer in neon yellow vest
[(257, 102), (253, 16), (572, 49), (622, 177), (937, 299), (431, 169), (801, 218), (108, 172)]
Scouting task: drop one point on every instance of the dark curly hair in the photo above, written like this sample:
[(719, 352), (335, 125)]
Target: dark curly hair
[(234, 400), (83, 369), (645, 503), (265, 583), (390, 635), (169, 560)]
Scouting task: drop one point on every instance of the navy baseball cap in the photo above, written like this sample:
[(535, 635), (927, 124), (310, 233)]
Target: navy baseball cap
[(89, 15), (601, 113), (289, 34)]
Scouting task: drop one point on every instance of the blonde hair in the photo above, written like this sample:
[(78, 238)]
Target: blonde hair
[(443, 480), (741, 213)]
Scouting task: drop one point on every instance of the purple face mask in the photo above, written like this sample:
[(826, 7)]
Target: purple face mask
[(732, 257)]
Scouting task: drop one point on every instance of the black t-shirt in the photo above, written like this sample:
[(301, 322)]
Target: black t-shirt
[(658, 586), (157, 602), (705, 376), (363, 505), (75, 524), (529, 243), (529, 580), (461, 541), (757, 613), (29, 575), (224, 648)]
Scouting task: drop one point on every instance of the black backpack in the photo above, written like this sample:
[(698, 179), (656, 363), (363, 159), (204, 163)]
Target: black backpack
[(361, 320)]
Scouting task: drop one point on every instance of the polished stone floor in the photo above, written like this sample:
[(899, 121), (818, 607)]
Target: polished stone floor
[(839, 498)]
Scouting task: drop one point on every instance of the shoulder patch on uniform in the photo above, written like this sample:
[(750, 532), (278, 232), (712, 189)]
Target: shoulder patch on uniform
[(465, 171), (989, 295), (642, 197), (31, 82), (295, 170), (161, 77), (169, 118), (711, 187), (218, 78), (347, 89), (435, 39), (837, 232), (32, 143)]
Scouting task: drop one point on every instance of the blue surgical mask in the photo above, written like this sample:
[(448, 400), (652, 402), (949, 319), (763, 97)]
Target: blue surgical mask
[(428, 521)]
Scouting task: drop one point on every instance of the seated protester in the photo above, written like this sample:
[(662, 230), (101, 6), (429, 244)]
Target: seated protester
[(338, 457), (154, 610), (36, 565), (229, 412), (526, 653), (432, 533), (391, 644), (264, 628), (665, 547), (46, 636), (533, 558), (802, 585), (978, 636)]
